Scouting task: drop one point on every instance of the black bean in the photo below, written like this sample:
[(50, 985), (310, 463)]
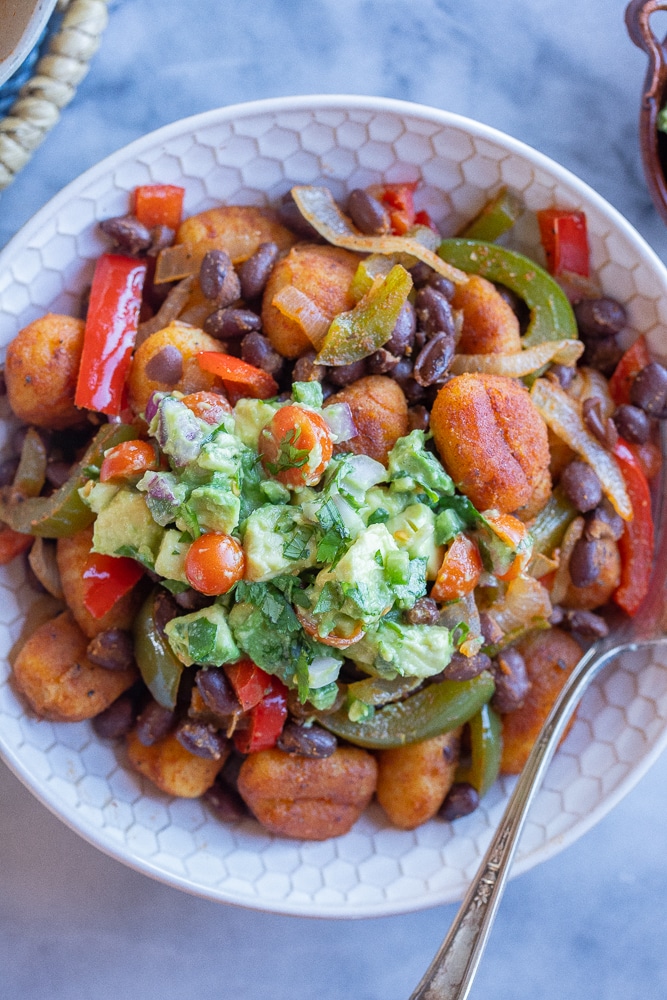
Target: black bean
[(512, 681), (434, 313), (154, 723), (490, 629), (8, 471), (434, 359), (514, 301), (226, 802), (563, 374), (581, 485), (305, 369), (164, 609), (461, 800), (231, 324), (603, 317), (403, 334), (218, 279), (418, 418), (254, 272), (587, 624), (57, 473), (217, 692), (632, 423), (113, 649), (191, 600), (381, 362), (342, 375), (306, 741), (425, 611), (603, 428), (420, 273), (603, 354), (402, 374), (127, 233), (442, 285), (368, 214), (557, 615), (604, 522), (257, 350), (463, 668), (201, 739), (648, 390), (116, 720), (166, 366), (290, 216), (586, 561), (229, 775)]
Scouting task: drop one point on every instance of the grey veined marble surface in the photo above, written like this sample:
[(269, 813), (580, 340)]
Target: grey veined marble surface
[(562, 76)]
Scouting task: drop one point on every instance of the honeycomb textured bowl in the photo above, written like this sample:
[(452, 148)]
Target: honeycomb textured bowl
[(252, 154)]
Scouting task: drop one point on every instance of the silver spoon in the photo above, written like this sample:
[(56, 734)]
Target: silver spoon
[(451, 973)]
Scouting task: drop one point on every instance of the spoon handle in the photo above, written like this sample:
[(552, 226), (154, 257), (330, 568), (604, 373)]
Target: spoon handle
[(451, 973)]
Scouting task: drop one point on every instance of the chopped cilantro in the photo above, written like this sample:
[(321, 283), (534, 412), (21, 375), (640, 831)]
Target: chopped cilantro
[(289, 455)]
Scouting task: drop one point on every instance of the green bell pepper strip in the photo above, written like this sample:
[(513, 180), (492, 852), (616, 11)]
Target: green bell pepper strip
[(486, 746), (496, 217), (551, 523), (378, 691), (158, 665), (551, 315), (363, 330), (436, 709), (63, 513), (31, 472)]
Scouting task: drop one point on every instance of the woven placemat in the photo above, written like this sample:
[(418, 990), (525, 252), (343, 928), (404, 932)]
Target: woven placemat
[(61, 62)]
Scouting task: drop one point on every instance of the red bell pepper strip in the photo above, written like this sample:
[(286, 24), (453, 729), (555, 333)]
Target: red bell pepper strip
[(249, 681), (564, 237), (635, 358), (111, 329), (399, 200), (422, 218), (12, 543), (159, 205), (255, 382), (106, 580), (266, 720), (636, 543)]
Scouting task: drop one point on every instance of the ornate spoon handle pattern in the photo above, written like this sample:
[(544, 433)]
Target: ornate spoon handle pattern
[(451, 973)]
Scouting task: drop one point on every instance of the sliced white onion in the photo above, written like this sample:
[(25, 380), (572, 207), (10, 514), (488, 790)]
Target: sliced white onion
[(322, 671), (340, 420), (561, 352), (301, 309), (562, 415)]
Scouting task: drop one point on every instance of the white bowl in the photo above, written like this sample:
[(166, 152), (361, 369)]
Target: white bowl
[(252, 153), (21, 23)]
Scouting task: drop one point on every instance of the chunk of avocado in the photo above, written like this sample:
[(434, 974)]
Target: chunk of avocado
[(170, 559), (390, 648), (203, 636), (250, 418), (414, 530), (361, 575), (125, 527), (271, 531)]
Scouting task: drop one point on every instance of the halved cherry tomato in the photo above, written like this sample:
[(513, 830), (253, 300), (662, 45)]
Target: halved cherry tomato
[(12, 543), (399, 199), (460, 570), (564, 237), (128, 460), (265, 721), (635, 358), (296, 446), (207, 406), (159, 205), (106, 580), (512, 531), (249, 681), (214, 563), (254, 381), (422, 218)]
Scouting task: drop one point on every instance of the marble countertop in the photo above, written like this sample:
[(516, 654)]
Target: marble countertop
[(562, 76)]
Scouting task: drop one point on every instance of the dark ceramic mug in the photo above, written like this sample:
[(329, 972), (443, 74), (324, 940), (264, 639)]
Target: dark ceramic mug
[(653, 143)]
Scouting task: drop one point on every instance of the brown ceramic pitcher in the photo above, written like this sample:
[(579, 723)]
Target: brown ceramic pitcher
[(653, 143)]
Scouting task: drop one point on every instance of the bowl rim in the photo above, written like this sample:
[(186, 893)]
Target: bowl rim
[(99, 837)]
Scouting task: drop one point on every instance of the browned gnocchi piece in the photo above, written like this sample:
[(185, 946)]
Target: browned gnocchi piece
[(492, 440), (71, 556), (187, 376), (236, 229), (41, 371), (550, 658), (414, 780), (489, 324), (380, 412), (172, 768), (307, 797), (57, 678), (324, 274)]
